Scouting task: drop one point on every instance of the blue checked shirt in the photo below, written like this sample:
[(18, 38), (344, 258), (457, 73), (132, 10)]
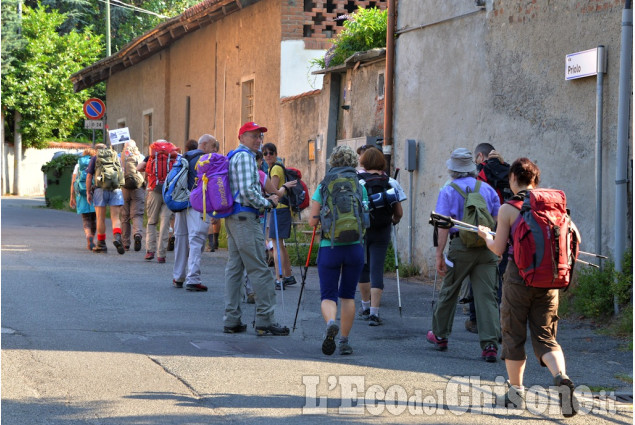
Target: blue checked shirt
[(244, 179)]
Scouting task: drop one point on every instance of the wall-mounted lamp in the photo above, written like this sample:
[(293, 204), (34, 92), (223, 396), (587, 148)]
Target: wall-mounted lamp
[(311, 150), (346, 107)]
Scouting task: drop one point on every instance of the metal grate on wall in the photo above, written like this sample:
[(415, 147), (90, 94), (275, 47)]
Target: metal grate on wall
[(324, 19)]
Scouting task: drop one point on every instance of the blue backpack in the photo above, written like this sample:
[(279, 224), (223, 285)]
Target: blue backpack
[(176, 193), (80, 180)]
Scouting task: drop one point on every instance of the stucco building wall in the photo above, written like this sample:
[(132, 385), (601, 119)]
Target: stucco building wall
[(498, 76)]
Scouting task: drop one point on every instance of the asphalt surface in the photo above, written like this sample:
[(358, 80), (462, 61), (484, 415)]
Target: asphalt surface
[(105, 339)]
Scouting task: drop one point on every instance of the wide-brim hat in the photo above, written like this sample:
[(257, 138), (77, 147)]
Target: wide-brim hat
[(461, 161)]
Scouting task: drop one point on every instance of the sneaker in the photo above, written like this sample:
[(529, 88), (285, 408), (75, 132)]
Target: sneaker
[(328, 345), (137, 242), (374, 320), (345, 349), (171, 243), (118, 244), (235, 329), (513, 398), (364, 314), (161, 260), (489, 353), (274, 329), (251, 299), (196, 287), (100, 247), (470, 326), (149, 256), (568, 401), (289, 280), (440, 344), (177, 284)]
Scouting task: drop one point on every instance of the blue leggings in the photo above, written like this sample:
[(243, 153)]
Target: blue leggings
[(376, 245), (339, 268)]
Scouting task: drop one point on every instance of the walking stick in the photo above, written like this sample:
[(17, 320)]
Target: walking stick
[(434, 288), (275, 222), (394, 248), (303, 273)]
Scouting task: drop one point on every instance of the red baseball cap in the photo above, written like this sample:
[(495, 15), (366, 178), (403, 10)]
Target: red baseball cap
[(251, 126)]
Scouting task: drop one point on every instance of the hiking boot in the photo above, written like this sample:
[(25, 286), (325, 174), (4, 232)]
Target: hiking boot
[(278, 285), (440, 344), (196, 287), (374, 320), (328, 345), (274, 329), (177, 284), (149, 256), (118, 244), (345, 349), (161, 260), (364, 314), (251, 299), (513, 398), (568, 401), (235, 329), (489, 353), (470, 326), (137, 242), (100, 247), (171, 243), (289, 280)]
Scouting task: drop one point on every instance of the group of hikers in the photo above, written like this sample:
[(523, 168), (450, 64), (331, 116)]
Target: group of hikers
[(356, 207)]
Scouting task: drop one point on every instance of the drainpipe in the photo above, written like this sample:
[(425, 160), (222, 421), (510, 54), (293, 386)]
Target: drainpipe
[(622, 157), (388, 98)]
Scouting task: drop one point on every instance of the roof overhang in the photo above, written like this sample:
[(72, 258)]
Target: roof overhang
[(157, 39), (364, 58)]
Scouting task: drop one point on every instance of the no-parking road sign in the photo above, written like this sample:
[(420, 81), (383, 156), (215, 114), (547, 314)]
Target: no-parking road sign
[(94, 109)]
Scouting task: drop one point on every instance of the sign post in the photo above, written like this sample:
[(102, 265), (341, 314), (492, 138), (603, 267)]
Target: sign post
[(94, 109), (586, 64)]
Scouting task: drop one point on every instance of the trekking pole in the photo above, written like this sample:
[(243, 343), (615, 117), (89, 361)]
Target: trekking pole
[(593, 255), (297, 250), (434, 288), (445, 222), (303, 273), (264, 232), (394, 248), (275, 223)]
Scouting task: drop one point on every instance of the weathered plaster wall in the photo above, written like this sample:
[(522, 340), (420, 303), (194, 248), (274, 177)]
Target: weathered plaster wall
[(498, 76), (137, 89)]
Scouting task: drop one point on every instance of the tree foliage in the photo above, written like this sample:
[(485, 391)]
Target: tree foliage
[(365, 30), (38, 84)]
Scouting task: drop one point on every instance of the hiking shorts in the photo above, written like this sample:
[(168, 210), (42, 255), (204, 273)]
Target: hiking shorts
[(339, 268), (283, 217), (103, 198), (524, 305)]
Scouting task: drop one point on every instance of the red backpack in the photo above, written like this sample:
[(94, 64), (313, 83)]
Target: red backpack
[(544, 238), (162, 157)]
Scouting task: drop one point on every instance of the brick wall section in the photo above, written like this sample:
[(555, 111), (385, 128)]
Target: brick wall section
[(314, 21), (523, 11)]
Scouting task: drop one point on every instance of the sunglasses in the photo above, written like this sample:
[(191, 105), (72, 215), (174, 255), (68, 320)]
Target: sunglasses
[(268, 153)]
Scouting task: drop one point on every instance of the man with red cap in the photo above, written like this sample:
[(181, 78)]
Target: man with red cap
[(245, 238)]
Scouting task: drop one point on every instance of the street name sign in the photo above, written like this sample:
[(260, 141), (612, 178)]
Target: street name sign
[(581, 64)]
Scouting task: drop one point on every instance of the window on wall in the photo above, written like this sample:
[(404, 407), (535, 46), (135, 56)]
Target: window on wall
[(247, 111), (381, 85), (148, 137)]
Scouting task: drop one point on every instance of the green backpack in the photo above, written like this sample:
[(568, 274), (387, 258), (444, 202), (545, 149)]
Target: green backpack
[(475, 212), (108, 172), (343, 215)]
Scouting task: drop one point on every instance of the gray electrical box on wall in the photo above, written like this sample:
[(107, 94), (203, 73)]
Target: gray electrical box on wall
[(411, 155)]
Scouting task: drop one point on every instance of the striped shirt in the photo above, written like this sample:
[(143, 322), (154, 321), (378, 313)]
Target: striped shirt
[(244, 179)]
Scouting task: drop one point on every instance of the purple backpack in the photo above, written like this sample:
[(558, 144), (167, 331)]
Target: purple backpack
[(212, 192)]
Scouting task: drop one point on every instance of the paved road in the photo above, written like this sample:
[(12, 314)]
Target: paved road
[(106, 339)]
